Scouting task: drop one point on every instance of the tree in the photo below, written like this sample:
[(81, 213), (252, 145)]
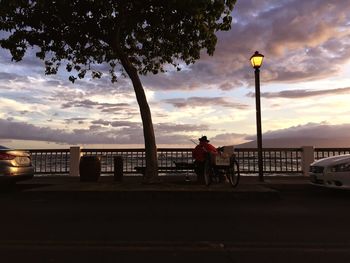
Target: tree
[(141, 35)]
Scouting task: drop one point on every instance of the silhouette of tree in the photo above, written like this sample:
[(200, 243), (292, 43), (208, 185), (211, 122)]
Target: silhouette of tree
[(141, 35)]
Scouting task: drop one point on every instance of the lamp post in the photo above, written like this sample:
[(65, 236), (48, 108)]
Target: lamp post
[(256, 61)]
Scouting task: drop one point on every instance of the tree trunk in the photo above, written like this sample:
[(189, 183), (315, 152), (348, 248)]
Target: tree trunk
[(151, 174)]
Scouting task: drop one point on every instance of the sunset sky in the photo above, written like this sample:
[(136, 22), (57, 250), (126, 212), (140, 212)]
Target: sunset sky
[(305, 87)]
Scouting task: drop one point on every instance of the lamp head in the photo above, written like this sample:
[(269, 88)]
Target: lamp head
[(257, 60)]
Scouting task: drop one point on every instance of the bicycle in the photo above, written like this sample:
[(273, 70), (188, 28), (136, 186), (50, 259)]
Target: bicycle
[(217, 165)]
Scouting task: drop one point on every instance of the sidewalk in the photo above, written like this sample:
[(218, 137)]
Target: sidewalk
[(44, 221), (169, 187)]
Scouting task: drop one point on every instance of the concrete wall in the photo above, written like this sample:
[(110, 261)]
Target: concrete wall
[(307, 158), (74, 160)]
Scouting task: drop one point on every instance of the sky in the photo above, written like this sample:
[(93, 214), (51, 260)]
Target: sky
[(305, 88)]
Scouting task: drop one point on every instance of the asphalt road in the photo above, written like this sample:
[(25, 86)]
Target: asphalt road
[(307, 224)]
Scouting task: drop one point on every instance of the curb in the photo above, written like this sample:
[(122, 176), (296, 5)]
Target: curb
[(262, 193)]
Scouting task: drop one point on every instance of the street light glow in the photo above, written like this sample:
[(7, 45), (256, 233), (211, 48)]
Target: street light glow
[(257, 59)]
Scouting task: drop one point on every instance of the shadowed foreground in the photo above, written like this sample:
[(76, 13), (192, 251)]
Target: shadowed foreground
[(304, 224)]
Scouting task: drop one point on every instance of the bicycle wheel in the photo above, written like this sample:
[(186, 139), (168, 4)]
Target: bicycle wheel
[(232, 172), (208, 171)]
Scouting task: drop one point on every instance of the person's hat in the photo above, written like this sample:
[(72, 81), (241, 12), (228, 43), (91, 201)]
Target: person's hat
[(203, 139)]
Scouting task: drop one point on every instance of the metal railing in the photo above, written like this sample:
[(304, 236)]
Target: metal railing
[(276, 160), (131, 158), (136, 158), (320, 153), (54, 161)]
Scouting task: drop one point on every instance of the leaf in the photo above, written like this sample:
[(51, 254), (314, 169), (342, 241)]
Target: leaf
[(151, 35), (72, 79)]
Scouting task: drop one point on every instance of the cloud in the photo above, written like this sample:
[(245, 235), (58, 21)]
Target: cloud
[(310, 130), (168, 128), (301, 41), (297, 45), (78, 120), (11, 129), (118, 124), (203, 102), (125, 132), (90, 104), (5, 76), (296, 94), (29, 63), (100, 132), (166, 133), (226, 139)]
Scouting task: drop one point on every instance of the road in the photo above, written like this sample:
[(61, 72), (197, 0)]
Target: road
[(307, 224)]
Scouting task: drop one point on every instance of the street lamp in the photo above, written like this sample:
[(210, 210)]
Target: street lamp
[(256, 61)]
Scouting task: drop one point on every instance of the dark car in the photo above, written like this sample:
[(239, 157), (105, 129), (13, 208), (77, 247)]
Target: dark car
[(15, 165)]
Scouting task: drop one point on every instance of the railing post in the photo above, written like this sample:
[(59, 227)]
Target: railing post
[(307, 157), (74, 161)]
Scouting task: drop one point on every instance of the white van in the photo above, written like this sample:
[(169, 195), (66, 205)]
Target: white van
[(331, 172)]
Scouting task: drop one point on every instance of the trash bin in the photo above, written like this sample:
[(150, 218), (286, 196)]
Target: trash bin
[(89, 168), (118, 168)]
